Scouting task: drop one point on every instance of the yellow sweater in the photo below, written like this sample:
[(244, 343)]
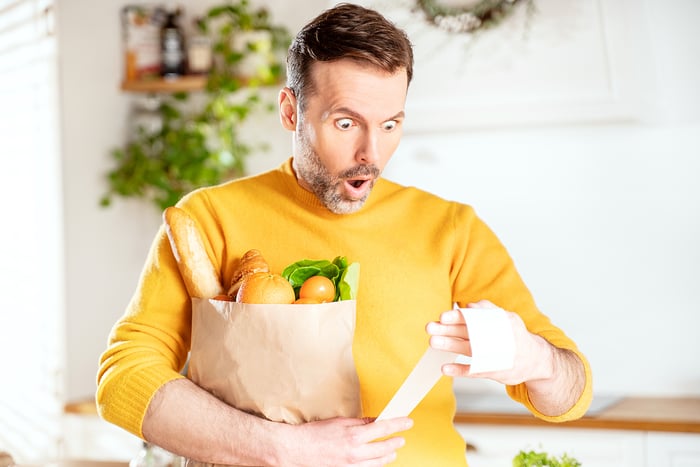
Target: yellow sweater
[(418, 255)]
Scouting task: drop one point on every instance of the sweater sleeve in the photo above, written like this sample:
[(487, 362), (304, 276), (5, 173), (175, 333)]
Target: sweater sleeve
[(484, 270), (148, 345)]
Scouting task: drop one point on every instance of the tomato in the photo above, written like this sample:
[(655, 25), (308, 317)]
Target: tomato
[(318, 287)]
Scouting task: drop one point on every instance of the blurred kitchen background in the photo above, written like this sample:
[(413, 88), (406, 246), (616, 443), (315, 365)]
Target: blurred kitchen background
[(574, 131)]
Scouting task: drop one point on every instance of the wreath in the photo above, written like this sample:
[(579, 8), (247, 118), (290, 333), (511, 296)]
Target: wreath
[(467, 19)]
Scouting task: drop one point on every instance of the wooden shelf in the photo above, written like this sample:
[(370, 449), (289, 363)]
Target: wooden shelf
[(181, 84), (81, 407), (678, 415)]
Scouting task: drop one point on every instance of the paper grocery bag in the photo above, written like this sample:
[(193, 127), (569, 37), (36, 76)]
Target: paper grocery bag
[(287, 363)]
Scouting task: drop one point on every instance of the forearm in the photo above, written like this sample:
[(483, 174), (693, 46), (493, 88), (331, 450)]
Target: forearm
[(558, 392), (188, 421)]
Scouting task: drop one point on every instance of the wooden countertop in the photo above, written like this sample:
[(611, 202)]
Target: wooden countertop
[(78, 463), (81, 407), (672, 414), (676, 414)]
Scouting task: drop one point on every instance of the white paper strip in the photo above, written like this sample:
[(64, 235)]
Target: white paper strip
[(424, 376), (493, 349)]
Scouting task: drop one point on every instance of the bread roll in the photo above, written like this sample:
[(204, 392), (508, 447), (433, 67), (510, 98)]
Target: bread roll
[(250, 263), (6, 460), (198, 273)]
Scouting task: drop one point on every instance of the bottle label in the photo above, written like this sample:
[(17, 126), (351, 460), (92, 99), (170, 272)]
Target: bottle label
[(173, 55)]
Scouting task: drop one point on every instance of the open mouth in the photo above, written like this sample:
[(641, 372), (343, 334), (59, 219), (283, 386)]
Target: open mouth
[(357, 188)]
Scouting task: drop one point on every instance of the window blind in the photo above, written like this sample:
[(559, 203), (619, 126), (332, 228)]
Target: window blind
[(31, 238)]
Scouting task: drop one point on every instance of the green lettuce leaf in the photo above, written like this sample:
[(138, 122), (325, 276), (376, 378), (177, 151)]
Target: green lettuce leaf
[(345, 276), (346, 289)]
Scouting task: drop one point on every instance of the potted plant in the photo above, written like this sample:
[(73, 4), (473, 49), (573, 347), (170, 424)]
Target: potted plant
[(198, 143)]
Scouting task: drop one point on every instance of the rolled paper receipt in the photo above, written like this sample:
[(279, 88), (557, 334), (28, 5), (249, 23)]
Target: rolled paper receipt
[(493, 349), (491, 338)]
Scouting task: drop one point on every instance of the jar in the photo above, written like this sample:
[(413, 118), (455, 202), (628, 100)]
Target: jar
[(151, 455), (199, 56)]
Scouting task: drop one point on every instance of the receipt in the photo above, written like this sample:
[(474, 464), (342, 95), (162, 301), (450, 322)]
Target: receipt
[(493, 349), (424, 376), (491, 338)]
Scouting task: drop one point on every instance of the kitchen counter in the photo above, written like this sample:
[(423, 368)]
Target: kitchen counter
[(670, 414), (78, 463)]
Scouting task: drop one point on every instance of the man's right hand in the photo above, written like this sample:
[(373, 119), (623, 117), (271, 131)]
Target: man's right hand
[(343, 442), (187, 420)]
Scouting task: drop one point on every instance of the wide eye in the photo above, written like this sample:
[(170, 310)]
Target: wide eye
[(344, 123), (390, 125)]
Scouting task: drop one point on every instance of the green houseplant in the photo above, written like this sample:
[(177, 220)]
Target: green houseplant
[(202, 146)]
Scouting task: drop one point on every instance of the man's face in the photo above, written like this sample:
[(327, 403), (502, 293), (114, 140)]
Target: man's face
[(350, 128)]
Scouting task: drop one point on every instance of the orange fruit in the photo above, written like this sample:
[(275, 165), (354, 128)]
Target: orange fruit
[(319, 288), (265, 287), (307, 301)]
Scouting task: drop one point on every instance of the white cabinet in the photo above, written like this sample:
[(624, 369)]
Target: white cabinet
[(673, 449), (495, 446)]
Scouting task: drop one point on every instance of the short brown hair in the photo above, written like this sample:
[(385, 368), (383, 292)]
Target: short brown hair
[(346, 31)]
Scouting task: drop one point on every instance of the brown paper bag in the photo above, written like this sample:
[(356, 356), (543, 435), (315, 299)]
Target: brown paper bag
[(287, 363)]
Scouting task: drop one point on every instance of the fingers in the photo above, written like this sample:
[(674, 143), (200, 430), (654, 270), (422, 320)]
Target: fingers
[(481, 304), (347, 441), (456, 370), (375, 430), (379, 452), (447, 330), (451, 324), (378, 445), (451, 334), (451, 344), (379, 462)]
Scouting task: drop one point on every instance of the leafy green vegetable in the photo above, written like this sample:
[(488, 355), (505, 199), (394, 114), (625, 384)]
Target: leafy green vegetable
[(345, 276), (542, 459), (298, 272), (346, 289)]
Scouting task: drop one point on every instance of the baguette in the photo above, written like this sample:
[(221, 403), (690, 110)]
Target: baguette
[(198, 273), (250, 263)]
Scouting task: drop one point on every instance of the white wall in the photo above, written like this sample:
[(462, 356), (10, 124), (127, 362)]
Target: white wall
[(602, 219)]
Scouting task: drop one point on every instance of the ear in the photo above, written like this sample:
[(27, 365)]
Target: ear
[(288, 109)]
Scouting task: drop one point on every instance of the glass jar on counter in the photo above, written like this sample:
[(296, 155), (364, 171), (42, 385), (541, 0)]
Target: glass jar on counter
[(151, 455)]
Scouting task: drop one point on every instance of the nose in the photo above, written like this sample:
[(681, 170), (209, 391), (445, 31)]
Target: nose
[(368, 149)]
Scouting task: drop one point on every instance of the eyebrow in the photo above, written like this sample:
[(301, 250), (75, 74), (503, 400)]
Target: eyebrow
[(352, 113)]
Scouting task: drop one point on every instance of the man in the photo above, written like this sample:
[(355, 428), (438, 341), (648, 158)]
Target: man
[(348, 76)]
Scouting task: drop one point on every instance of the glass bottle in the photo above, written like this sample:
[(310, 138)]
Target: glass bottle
[(172, 46)]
